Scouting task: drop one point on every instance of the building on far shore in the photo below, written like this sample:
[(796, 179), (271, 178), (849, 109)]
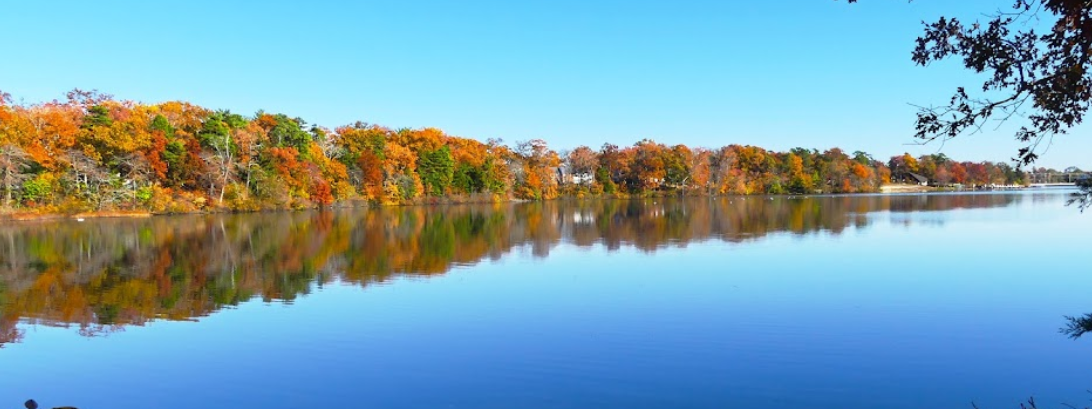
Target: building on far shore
[(921, 180), (565, 176)]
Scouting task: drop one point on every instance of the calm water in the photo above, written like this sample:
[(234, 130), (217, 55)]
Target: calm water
[(835, 302)]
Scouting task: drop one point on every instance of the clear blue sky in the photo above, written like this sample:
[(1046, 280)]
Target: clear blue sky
[(777, 74)]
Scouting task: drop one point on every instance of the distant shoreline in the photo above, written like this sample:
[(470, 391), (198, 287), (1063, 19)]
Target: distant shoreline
[(33, 216), (10, 215), (903, 188)]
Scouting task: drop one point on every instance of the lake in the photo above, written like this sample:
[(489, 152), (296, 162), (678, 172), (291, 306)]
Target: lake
[(872, 301)]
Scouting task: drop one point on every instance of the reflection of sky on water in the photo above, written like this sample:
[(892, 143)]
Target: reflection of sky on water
[(893, 315)]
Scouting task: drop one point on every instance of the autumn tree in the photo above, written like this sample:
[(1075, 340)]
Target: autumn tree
[(13, 162), (727, 177), (370, 167), (286, 132), (678, 161), (799, 182), (539, 178), (361, 148), (614, 162), (902, 166), (221, 150), (87, 178), (496, 177), (700, 167), (582, 163), (647, 169), (93, 152), (401, 182), (472, 159), (436, 168)]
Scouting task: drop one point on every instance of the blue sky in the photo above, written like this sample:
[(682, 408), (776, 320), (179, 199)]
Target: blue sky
[(777, 74)]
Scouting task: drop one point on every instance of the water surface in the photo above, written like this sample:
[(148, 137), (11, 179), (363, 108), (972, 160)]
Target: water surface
[(894, 301)]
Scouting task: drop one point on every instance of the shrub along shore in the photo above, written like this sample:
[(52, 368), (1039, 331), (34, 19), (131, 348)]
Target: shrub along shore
[(90, 154)]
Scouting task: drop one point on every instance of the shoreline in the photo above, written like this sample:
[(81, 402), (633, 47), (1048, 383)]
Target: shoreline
[(111, 214), (35, 216), (901, 188)]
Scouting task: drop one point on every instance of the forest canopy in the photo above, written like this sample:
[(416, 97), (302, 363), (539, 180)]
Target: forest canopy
[(92, 152)]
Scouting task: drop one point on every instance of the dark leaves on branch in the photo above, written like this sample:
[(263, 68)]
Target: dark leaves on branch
[(1083, 197), (1041, 78), (1077, 326)]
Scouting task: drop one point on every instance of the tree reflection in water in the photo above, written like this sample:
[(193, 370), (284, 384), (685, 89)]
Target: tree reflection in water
[(103, 275)]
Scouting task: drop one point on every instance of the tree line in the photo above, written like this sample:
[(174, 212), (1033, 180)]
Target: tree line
[(91, 152)]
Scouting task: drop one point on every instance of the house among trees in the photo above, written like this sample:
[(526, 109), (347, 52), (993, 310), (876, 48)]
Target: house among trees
[(565, 175), (921, 180)]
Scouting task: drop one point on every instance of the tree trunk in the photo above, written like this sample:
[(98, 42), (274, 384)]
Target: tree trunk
[(7, 187)]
